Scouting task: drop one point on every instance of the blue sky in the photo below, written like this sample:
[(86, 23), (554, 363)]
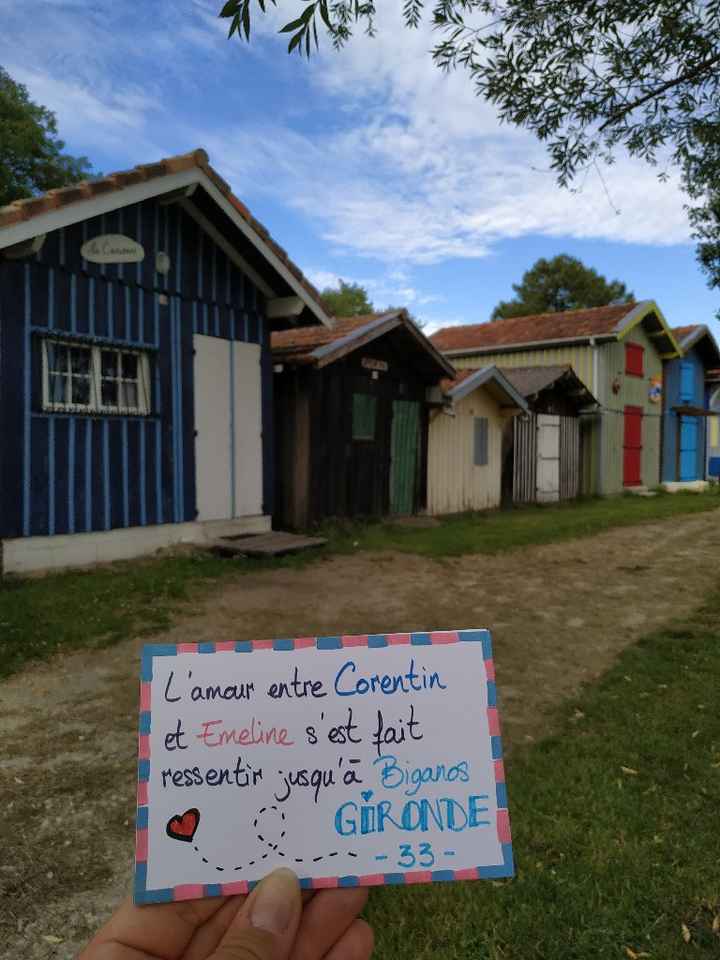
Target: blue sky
[(368, 164)]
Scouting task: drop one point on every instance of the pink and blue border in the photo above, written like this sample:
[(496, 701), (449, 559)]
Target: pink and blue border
[(191, 891)]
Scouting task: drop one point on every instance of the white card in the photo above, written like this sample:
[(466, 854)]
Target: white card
[(352, 760)]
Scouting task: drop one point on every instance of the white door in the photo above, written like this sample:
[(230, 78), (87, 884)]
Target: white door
[(248, 429), (228, 425), (548, 454)]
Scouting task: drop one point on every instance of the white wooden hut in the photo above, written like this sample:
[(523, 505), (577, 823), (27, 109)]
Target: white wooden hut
[(465, 441)]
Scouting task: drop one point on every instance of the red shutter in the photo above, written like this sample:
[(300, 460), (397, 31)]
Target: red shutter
[(632, 447), (634, 359)]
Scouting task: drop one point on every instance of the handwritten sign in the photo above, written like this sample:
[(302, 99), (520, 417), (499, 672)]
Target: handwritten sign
[(352, 760), (371, 364), (112, 248)]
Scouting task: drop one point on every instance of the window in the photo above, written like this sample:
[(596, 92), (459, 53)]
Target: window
[(480, 441), (363, 421), (68, 375), (98, 379), (634, 359)]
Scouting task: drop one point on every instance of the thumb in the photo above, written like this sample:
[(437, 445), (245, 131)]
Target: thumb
[(265, 927)]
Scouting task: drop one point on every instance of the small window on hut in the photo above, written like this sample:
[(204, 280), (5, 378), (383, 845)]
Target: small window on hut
[(94, 379), (480, 441), (634, 358), (363, 425)]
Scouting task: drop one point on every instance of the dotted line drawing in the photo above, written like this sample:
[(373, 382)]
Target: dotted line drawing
[(273, 847)]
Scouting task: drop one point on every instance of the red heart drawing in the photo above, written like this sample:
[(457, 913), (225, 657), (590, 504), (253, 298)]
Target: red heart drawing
[(183, 825)]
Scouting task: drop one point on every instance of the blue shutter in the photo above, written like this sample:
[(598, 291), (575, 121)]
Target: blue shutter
[(480, 453), (687, 381)]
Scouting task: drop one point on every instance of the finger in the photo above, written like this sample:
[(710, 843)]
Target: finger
[(207, 938), (356, 943), (163, 930), (266, 925), (326, 919)]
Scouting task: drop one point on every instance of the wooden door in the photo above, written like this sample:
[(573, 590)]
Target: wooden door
[(525, 459), (364, 495), (569, 457), (228, 441), (632, 447), (689, 448), (548, 453), (405, 450)]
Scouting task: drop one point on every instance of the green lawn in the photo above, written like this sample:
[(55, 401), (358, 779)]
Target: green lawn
[(615, 826), (496, 531), (98, 607), (41, 615)]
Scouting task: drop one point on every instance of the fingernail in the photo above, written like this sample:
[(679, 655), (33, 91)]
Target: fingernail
[(273, 901)]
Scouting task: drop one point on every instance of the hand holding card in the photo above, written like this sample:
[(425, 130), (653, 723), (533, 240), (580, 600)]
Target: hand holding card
[(355, 761)]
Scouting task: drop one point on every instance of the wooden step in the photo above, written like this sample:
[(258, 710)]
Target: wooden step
[(273, 544)]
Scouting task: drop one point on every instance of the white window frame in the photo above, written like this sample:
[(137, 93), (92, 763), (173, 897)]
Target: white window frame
[(142, 408)]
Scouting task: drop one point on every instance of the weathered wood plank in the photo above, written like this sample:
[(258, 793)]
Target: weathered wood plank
[(273, 544)]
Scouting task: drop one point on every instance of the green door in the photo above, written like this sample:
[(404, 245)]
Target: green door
[(405, 443)]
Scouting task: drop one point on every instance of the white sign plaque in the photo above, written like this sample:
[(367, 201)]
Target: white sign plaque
[(112, 248)]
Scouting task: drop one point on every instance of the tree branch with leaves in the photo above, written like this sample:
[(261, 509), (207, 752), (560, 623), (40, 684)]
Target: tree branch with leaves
[(586, 77)]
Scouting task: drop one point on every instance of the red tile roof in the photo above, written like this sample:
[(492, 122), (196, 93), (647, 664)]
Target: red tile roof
[(568, 325), (22, 210), (682, 332), (303, 340)]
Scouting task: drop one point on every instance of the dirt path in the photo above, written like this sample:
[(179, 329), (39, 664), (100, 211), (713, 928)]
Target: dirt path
[(559, 614)]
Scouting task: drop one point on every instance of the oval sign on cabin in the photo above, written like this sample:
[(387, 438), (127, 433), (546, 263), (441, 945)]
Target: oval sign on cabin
[(112, 248)]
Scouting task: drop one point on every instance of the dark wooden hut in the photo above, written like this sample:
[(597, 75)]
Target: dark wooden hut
[(351, 408)]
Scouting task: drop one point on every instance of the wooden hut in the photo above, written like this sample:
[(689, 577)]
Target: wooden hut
[(135, 371), (542, 452), (351, 414), (712, 386), (617, 351), (690, 431), (466, 438)]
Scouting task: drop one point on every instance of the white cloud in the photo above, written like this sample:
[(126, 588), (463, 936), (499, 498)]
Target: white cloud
[(322, 278), (414, 168), (405, 165)]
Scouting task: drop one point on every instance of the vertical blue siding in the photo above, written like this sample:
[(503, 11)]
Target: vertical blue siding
[(63, 473), (684, 383)]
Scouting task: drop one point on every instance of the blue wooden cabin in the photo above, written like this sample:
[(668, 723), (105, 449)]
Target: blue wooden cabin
[(686, 421), (135, 367)]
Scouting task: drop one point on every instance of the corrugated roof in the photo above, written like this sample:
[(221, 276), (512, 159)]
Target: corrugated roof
[(534, 328), (529, 381), (23, 210), (466, 381)]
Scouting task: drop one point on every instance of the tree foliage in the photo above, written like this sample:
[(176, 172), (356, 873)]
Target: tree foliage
[(563, 283), (346, 300), (31, 154), (585, 76)]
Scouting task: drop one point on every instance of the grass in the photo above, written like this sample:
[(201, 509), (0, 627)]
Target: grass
[(614, 826), (101, 606), (98, 607), (497, 531)]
